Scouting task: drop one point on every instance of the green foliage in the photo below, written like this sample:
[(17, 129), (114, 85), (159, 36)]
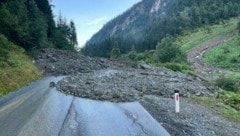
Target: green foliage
[(144, 57), (104, 48), (132, 55), (37, 26), (231, 99), (227, 104), (30, 24), (181, 67), (232, 114), (189, 39), (115, 53), (16, 69), (145, 31), (238, 26), (229, 83), (4, 54), (226, 55), (72, 34), (167, 51), (65, 36), (8, 23)]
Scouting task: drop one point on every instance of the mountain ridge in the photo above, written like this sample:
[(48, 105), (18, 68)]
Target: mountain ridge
[(144, 10), (147, 22)]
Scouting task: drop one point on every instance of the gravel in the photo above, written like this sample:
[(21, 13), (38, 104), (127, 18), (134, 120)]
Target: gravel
[(131, 84), (193, 119), (109, 80)]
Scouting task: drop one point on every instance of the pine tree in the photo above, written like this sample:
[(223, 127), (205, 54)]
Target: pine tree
[(8, 23), (65, 35), (45, 7), (73, 34), (115, 53), (37, 26)]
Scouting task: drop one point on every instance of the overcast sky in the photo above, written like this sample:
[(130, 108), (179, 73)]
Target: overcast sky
[(90, 15)]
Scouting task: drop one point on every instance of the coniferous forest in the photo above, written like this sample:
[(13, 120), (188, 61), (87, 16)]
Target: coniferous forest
[(145, 31), (31, 25)]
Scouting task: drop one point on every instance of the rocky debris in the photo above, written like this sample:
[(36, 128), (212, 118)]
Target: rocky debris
[(103, 79), (193, 119), (131, 84), (52, 84), (61, 62)]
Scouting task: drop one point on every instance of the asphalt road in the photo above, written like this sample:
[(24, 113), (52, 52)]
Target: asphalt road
[(38, 110)]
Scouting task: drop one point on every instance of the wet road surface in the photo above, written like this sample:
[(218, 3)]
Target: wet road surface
[(38, 110)]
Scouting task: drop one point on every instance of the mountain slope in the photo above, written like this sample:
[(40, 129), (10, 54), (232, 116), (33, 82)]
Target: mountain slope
[(131, 22), (16, 68), (147, 22), (30, 24)]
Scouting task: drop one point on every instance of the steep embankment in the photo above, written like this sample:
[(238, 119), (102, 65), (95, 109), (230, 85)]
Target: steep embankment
[(16, 68)]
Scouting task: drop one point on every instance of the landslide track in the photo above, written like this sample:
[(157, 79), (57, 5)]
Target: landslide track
[(110, 80), (195, 54)]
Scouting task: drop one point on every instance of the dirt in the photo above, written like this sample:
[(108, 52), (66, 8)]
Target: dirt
[(110, 80), (194, 56)]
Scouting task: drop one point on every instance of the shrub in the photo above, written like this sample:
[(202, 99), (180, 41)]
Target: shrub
[(228, 83), (4, 50), (220, 58), (132, 55), (235, 59), (167, 51), (115, 53), (173, 66), (231, 99), (181, 67)]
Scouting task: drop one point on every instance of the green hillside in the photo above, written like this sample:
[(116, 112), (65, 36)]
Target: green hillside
[(189, 39), (25, 26), (226, 55), (185, 41), (140, 28), (31, 24), (16, 68)]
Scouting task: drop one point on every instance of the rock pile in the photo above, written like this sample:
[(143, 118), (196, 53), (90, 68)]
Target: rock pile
[(131, 85), (59, 62), (103, 79)]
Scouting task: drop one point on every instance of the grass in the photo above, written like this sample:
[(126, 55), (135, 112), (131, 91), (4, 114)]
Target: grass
[(16, 69), (147, 57), (226, 55), (189, 39), (230, 82), (221, 106)]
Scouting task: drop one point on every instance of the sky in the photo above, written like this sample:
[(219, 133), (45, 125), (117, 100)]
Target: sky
[(89, 16)]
